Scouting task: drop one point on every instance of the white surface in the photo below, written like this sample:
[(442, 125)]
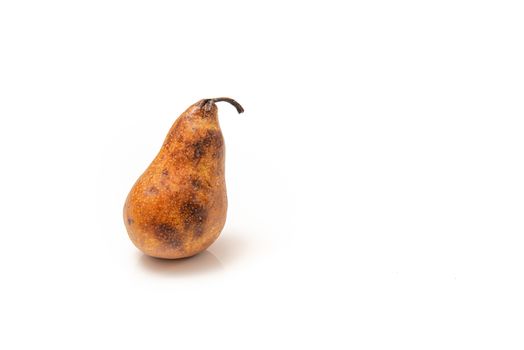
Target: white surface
[(375, 181)]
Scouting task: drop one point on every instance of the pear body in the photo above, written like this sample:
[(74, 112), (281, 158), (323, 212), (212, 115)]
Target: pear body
[(177, 208)]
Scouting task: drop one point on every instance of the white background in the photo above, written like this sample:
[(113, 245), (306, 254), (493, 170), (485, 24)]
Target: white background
[(375, 180)]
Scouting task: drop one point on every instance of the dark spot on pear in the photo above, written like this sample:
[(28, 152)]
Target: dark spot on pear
[(202, 146), (198, 150), (167, 234), (196, 183), (198, 231), (194, 215), (165, 172), (130, 221), (152, 190)]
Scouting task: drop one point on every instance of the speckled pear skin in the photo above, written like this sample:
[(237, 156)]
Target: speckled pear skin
[(178, 207)]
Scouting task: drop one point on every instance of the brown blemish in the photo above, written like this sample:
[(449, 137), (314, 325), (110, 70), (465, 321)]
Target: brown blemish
[(214, 138), (165, 172), (167, 234), (130, 221), (211, 139), (199, 230), (198, 150), (194, 215), (196, 183), (152, 190)]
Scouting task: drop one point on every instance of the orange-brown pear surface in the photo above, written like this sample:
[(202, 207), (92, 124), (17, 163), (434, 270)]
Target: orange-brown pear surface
[(177, 208)]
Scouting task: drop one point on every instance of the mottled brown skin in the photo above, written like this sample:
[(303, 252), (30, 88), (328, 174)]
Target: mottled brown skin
[(177, 208)]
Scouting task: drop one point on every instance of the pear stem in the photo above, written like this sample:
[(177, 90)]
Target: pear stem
[(224, 99)]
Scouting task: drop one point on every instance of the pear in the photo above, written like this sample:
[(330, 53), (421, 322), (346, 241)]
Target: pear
[(177, 208)]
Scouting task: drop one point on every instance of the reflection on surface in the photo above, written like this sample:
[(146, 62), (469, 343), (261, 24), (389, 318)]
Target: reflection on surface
[(204, 262)]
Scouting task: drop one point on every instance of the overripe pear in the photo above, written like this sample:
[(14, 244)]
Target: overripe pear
[(177, 208)]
